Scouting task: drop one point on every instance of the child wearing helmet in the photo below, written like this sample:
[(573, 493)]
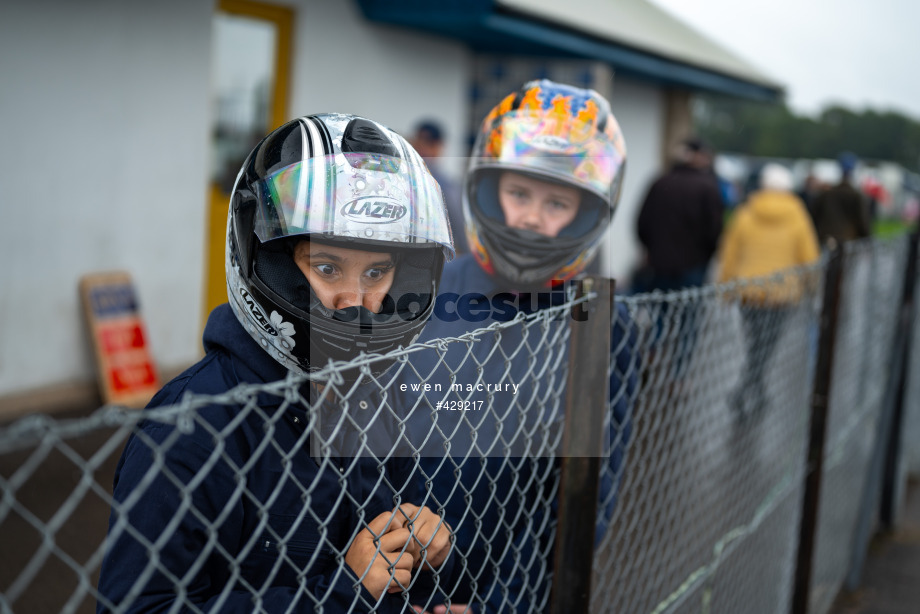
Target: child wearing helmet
[(333, 219), (542, 185), (552, 135)]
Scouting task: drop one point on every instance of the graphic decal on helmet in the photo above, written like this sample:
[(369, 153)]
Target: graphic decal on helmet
[(479, 251), (257, 313), (575, 266), (284, 331), (374, 210), (274, 335), (553, 133)]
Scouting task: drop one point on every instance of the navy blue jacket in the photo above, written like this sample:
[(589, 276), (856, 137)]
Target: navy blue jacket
[(501, 500), (237, 509)]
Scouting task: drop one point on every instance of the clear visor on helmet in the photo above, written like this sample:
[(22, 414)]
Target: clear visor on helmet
[(358, 196), (561, 146)]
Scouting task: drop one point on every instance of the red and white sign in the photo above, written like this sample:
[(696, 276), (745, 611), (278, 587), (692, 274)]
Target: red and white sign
[(127, 374)]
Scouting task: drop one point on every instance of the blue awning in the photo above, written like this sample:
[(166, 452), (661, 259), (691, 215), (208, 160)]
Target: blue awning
[(488, 26)]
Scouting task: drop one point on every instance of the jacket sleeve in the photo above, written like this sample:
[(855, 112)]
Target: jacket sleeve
[(428, 587), (729, 250), (714, 209), (176, 534), (519, 570), (524, 571), (624, 388), (646, 214), (808, 248), (818, 207), (863, 217)]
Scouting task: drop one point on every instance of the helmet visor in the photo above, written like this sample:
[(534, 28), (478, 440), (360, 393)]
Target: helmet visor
[(570, 149), (369, 197)]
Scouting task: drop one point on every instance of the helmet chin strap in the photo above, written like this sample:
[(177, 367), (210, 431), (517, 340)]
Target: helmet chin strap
[(528, 248), (528, 257), (357, 313), (529, 237)]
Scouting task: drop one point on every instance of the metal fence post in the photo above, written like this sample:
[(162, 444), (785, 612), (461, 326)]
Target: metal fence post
[(890, 487), (880, 481), (582, 448), (873, 484), (818, 430)]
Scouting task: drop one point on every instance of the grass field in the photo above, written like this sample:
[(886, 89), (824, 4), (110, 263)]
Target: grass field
[(890, 228), (880, 228)]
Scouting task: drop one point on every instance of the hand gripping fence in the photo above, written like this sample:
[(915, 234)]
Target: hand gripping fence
[(249, 500)]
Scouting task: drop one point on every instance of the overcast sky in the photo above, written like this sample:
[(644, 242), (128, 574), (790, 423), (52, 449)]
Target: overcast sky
[(862, 53)]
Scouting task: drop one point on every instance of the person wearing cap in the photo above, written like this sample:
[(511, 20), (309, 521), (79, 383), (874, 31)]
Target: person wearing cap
[(841, 212), (679, 226), (428, 139), (680, 221), (257, 498)]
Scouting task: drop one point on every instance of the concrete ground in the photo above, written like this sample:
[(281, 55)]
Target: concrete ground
[(45, 576), (891, 577), (51, 538)]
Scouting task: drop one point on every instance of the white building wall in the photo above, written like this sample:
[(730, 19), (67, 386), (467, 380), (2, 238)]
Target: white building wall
[(639, 108), (105, 114), (105, 117), (394, 75), (104, 122)]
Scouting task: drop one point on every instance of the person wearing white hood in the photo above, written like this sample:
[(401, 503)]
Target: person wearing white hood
[(770, 233)]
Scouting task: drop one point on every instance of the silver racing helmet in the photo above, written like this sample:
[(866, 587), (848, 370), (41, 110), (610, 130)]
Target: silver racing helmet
[(338, 180), (555, 133)]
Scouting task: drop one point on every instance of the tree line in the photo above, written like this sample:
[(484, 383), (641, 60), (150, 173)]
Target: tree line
[(773, 130)]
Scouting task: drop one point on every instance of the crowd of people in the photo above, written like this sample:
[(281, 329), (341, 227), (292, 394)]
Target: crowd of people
[(774, 231), (680, 224)]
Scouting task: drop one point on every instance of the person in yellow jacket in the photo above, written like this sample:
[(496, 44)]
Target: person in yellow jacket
[(770, 234)]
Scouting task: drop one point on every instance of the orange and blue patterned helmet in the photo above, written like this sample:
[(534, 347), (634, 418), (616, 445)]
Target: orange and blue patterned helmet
[(556, 133)]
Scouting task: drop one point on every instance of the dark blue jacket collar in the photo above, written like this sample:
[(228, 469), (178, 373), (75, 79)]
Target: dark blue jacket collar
[(224, 333)]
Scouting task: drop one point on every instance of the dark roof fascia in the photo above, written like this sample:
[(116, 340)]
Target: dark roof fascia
[(488, 28)]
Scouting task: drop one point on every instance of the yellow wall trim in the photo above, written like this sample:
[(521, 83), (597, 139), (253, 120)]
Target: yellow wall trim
[(215, 284)]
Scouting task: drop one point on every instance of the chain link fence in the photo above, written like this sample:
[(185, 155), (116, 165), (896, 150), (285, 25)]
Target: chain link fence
[(251, 500), (710, 503), (911, 432), (870, 298)]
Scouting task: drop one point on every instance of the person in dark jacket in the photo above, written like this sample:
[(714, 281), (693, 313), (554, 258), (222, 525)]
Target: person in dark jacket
[(841, 212), (679, 224), (541, 189), (252, 497), (681, 221), (428, 139)]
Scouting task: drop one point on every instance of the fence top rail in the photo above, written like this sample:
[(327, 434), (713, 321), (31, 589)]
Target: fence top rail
[(30, 429)]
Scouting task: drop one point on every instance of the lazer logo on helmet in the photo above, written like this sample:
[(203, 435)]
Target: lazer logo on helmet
[(374, 210), (257, 313), (550, 143)]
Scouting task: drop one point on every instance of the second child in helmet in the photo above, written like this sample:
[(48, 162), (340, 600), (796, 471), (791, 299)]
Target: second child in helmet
[(542, 185)]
